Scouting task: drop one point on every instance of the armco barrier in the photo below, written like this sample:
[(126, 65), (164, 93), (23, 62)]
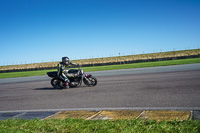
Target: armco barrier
[(110, 63)]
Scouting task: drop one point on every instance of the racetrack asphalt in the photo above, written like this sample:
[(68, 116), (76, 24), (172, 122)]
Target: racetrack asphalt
[(156, 88)]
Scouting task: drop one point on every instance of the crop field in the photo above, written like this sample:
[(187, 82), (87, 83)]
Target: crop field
[(106, 60)]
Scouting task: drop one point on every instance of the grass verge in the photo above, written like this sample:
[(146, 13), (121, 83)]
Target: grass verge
[(70, 125), (109, 67)]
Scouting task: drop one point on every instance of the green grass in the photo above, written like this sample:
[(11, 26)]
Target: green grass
[(24, 74), (108, 67), (98, 126), (142, 65)]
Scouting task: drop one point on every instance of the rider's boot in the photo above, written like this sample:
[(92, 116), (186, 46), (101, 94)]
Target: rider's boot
[(66, 84)]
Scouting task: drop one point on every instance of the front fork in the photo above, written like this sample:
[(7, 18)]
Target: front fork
[(86, 76)]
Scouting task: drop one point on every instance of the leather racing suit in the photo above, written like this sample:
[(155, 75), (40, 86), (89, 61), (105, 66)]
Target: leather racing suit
[(63, 70)]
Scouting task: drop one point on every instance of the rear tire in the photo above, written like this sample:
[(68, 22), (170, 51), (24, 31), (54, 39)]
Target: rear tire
[(56, 83)]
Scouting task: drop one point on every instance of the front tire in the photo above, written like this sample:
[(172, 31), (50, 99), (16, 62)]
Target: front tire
[(93, 81), (56, 83)]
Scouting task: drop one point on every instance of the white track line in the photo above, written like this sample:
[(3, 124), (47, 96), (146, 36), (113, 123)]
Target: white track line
[(98, 109)]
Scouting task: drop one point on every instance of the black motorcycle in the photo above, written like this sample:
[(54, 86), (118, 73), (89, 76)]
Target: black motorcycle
[(76, 76)]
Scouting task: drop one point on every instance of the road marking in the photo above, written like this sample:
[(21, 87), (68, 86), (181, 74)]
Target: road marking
[(93, 116), (117, 114), (18, 115), (140, 115), (160, 115), (48, 117), (84, 114), (114, 108)]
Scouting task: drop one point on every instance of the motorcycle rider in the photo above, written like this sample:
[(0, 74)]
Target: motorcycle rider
[(63, 70)]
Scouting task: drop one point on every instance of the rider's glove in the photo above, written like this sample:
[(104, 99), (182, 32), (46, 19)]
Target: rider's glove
[(67, 80)]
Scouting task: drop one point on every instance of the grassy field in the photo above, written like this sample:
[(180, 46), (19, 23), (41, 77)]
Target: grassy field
[(109, 67), (107, 60), (98, 126)]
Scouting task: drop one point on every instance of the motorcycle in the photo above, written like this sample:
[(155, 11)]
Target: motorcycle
[(75, 76)]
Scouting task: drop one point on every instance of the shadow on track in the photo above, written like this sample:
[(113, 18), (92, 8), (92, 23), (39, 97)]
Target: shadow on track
[(46, 89), (51, 88)]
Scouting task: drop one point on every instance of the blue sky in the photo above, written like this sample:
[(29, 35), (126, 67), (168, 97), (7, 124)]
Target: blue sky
[(34, 31)]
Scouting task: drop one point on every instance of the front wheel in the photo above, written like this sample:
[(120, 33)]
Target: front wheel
[(90, 81), (56, 83)]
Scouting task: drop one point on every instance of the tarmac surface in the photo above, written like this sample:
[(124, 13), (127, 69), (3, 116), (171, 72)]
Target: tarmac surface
[(143, 92)]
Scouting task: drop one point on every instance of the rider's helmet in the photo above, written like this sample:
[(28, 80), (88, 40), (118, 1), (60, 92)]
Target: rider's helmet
[(65, 60)]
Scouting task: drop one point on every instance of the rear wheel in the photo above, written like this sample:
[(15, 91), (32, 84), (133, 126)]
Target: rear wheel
[(90, 81), (56, 83)]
